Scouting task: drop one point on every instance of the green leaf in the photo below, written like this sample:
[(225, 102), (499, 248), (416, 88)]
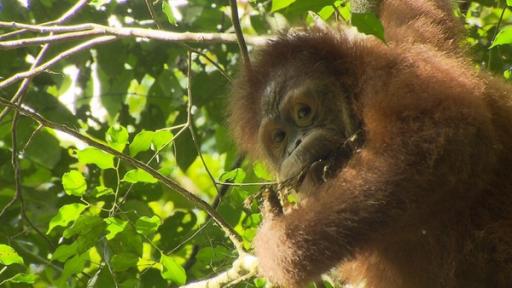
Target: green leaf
[(74, 183), (146, 225), (92, 155), (236, 176), (137, 95), (124, 261), (84, 225), (368, 23), (280, 4), (74, 265), (138, 175), (114, 227), (261, 171), (64, 251), (9, 256), (259, 282), (509, 2), (22, 278), (141, 142), (99, 3), (127, 241), (172, 271), (102, 191), (162, 138), (117, 137), (167, 9), (503, 37), (67, 214)]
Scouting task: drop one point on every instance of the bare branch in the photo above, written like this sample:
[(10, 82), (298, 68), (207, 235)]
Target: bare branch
[(70, 13), (171, 184), (21, 92), (63, 18), (39, 69), (72, 32)]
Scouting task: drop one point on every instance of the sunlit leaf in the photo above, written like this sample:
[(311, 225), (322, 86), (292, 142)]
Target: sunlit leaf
[(74, 183), (146, 225), (503, 37), (141, 142), (161, 138), (137, 95), (138, 175), (280, 4), (9, 256), (261, 171), (172, 271), (95, 156), (117, 137), (22, 278), (66, 214), (114, 226), (236, 175), (167, 9), (102, 191)]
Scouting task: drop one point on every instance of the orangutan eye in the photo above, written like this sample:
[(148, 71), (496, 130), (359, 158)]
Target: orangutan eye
[(303, 112), (303, 115), (278, 136)]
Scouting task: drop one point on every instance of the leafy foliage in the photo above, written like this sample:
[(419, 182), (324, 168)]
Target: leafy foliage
[(84, 218)]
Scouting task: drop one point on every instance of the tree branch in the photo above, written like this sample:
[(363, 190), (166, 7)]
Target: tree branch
[(20, 93), (244, 267), (39, 69), (63, 18), (72, 32)]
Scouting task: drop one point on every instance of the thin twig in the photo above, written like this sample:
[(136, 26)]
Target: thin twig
[(18, 96), (18, 195), (41, 68), (491, 54), (63, 18), (224, 187), (152, 13), (236, 242), (213, 62), (14, 162), (239, 34), (71, 32), (31, 138), (190, 120), (170, 183)]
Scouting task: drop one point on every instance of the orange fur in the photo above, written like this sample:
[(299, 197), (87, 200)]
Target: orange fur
[(427, 202)]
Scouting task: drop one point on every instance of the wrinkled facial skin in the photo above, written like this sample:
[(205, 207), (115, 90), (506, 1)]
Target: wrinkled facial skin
[(303, 124)]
